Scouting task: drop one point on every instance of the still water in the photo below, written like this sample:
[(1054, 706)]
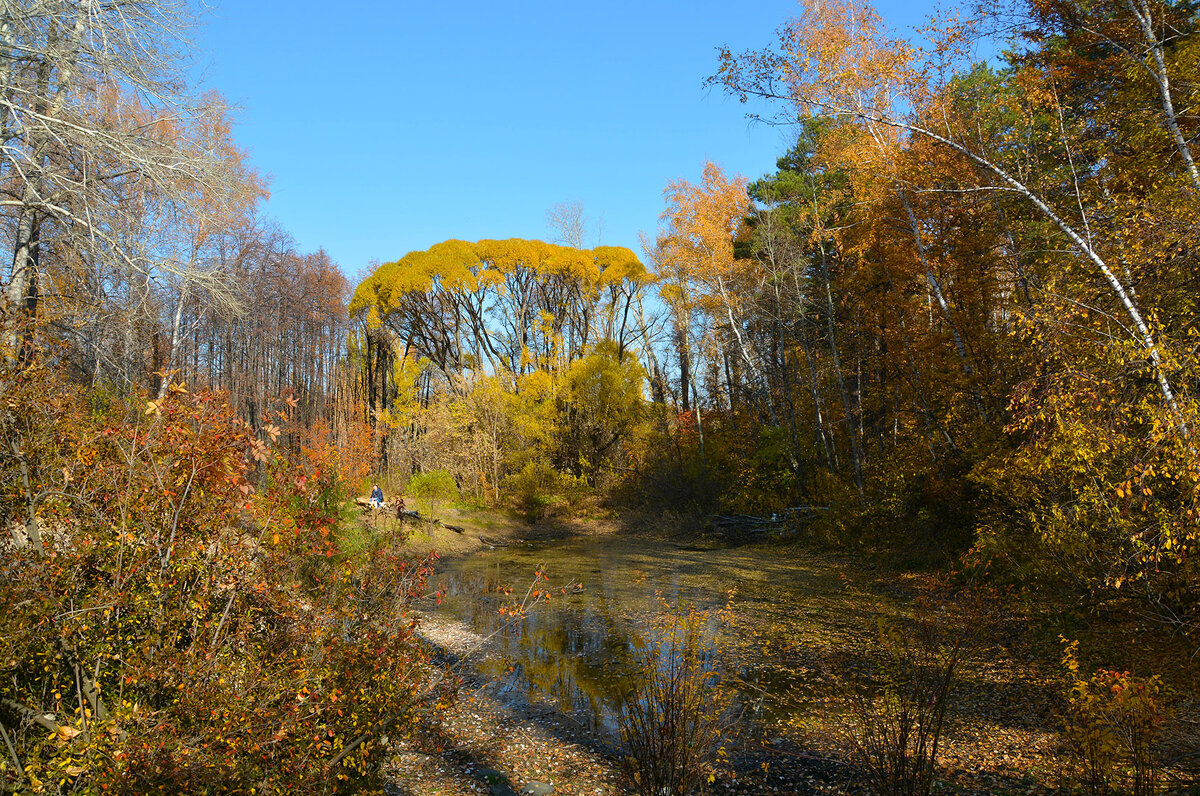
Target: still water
[(573, 653)]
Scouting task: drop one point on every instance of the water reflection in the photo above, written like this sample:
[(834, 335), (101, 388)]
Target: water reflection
[(574, 653)]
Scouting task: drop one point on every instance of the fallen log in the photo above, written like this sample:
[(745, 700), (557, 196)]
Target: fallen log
[(45, 720), (774, 519), (735, 525)]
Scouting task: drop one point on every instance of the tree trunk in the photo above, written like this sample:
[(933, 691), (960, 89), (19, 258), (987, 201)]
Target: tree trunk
[(855, 454), (174, 346), (1141, 10)]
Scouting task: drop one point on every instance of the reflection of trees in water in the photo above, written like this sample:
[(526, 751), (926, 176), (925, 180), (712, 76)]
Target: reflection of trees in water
[(575, 651), (575, 654)]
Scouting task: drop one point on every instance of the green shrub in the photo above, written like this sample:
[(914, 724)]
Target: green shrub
[(432, 489), (538, 489)]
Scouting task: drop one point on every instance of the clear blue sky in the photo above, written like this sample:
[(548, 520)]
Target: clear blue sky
[(390, 126)]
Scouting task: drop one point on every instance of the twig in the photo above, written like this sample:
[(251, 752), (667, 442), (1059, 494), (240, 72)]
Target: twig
[(82, 704), (224, 616), (12, 753)]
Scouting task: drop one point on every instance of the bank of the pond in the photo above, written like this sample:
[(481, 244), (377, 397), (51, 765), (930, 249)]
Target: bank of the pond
[(485, 745), (453, 531)]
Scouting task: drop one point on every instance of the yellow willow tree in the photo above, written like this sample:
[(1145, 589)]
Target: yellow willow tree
[(838, 59), (498, 327), (512, 305)]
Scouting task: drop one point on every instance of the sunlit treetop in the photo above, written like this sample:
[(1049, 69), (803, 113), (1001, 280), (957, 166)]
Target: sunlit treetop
[(618, 264), (463, 267)]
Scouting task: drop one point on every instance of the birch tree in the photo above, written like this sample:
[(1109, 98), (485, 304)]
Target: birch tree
[(832, 61), (94, 112)]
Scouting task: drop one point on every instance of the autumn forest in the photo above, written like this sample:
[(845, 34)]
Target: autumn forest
[(873, 474)]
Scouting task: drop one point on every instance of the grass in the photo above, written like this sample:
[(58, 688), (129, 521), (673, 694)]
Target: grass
[(358, 532), (354, 538)]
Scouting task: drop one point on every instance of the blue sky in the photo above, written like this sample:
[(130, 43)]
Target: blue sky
[(390, 126)]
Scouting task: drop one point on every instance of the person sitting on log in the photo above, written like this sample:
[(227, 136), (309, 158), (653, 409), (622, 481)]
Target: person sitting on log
[(376, 497)]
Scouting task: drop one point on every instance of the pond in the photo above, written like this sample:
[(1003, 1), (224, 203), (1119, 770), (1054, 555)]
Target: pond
[(802, 625), (573, 653)]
